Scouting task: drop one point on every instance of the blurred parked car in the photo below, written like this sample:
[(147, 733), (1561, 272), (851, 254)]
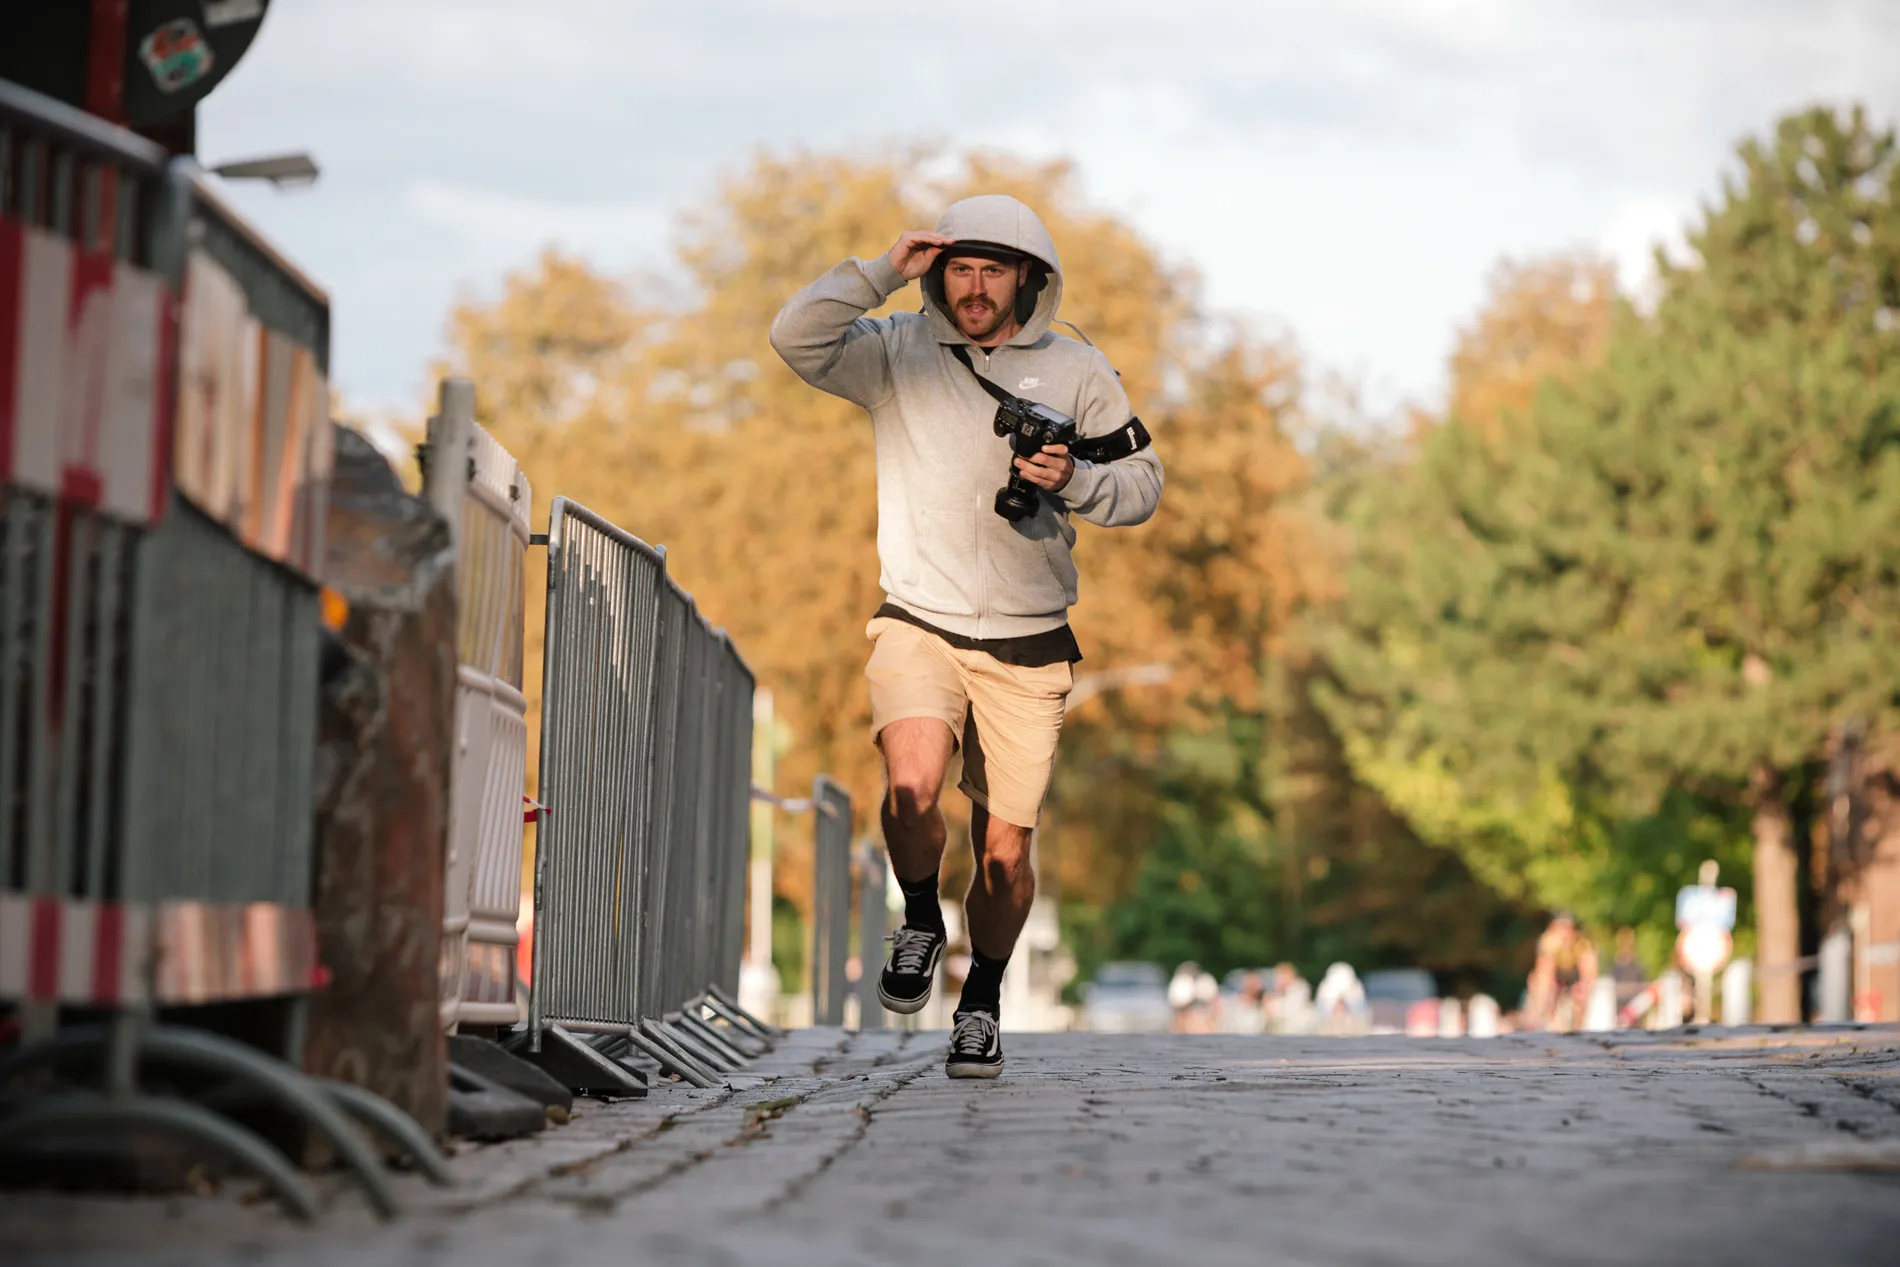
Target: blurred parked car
[(1391, 994), (1127, 998)]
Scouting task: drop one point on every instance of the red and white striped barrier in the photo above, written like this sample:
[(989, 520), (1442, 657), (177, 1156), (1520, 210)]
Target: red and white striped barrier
[(108, 954), (85, 363), (75, 952), (253, 447)]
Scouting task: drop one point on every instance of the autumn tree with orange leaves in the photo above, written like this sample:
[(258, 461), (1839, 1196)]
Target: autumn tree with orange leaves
[(657, 402), (675, 420)]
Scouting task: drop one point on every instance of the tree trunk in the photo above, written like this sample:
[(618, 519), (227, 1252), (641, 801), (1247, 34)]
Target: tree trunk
[(1777, 913)]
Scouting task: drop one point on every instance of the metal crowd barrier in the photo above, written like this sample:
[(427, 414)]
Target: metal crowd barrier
[(831, 901), (165, 464), (488, 501), (873, 925), (77, 206), (640, 865)]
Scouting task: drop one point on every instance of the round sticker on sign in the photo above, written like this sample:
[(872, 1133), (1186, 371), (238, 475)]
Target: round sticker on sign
[(176, 54)]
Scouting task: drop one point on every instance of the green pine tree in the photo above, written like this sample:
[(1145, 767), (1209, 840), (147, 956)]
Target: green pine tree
[(1680, 573)]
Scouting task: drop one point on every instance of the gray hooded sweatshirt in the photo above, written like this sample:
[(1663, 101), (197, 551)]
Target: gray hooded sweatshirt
[(946, 555)]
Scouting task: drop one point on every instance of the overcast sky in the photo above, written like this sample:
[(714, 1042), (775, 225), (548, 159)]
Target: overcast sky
[(1348, 171)]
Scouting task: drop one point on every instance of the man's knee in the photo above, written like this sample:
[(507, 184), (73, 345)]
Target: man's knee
[(1005, 852), (916, 754), (914, 794)]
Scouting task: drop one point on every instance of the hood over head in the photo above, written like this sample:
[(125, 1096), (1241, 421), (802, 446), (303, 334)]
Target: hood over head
[(999, 220)]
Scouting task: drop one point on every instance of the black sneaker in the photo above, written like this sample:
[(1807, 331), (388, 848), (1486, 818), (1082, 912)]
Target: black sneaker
[(976, 1047), (905, 985)]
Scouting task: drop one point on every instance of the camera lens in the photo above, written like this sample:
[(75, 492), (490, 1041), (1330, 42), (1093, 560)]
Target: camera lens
[(1016, 504)]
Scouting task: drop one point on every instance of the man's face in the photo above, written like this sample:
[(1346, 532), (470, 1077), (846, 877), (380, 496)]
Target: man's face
[(981, 294)]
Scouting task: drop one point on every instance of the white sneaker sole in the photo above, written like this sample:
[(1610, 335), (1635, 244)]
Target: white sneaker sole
[(903, 1007), (972, 1070)]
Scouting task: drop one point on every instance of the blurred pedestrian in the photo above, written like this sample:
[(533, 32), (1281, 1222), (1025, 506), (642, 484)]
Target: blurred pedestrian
[(1563, 976), (1207, 1002), (1292, 1004), (1203, 1015), (1181, 993), (1340, 1001), (1246, 1012)]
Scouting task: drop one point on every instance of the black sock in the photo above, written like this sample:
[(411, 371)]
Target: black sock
[(921, 907), (983, 988)]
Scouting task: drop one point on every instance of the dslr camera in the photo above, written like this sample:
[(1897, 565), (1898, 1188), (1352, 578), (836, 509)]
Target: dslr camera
[(1028, 426)]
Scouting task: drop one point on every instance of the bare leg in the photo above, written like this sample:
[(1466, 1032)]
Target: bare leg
[(916, 755), (998, 903)]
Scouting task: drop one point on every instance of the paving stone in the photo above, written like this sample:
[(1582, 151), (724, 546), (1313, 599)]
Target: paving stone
[(1695, 1147)]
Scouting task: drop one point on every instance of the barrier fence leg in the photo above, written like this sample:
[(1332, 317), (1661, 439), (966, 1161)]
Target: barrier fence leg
[(575, 1064), (711, 1039), (730, 1032), (694, 1047), (872, 915), (54, 1115), (211, 1053), (728, 1007), (1599, 1014), (657, 1043), (1738, 993), (1481, 1017), (392, 1124)]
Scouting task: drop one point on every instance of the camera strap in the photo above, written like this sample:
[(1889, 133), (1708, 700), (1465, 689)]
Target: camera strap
[(1126, 441)]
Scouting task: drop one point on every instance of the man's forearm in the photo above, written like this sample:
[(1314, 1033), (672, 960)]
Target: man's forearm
[(1116, 494), (816, 331)]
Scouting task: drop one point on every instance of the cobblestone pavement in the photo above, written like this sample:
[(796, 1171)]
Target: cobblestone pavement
[(1715, 1147)]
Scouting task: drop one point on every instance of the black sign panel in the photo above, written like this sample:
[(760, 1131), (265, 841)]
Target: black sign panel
[(177, 51)]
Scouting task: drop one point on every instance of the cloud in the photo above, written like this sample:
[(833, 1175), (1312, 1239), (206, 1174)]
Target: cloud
[(1350, 169), (507, 225), (1633, 234)]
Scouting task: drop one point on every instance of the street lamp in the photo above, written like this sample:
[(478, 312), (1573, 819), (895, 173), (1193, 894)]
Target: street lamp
[(283, 171)]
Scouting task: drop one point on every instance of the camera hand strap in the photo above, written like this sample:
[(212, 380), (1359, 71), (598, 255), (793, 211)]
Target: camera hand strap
[(1126, 441), (1130, 439)]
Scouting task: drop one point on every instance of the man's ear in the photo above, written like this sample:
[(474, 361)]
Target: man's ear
[(1033, 279)]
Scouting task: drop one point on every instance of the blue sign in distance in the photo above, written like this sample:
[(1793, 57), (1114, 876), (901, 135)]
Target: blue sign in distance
[(1705, 905)]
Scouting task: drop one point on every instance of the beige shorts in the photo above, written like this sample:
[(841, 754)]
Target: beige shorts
[(1008, 716)]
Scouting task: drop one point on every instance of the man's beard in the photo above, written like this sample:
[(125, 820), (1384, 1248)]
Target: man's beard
[(970, 312)]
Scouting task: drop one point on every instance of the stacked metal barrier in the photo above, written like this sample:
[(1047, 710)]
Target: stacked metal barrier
[(220, 732), (873, 920), (76, 205), (830, 901), (481, 490), (640, 866), (165, 466)]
